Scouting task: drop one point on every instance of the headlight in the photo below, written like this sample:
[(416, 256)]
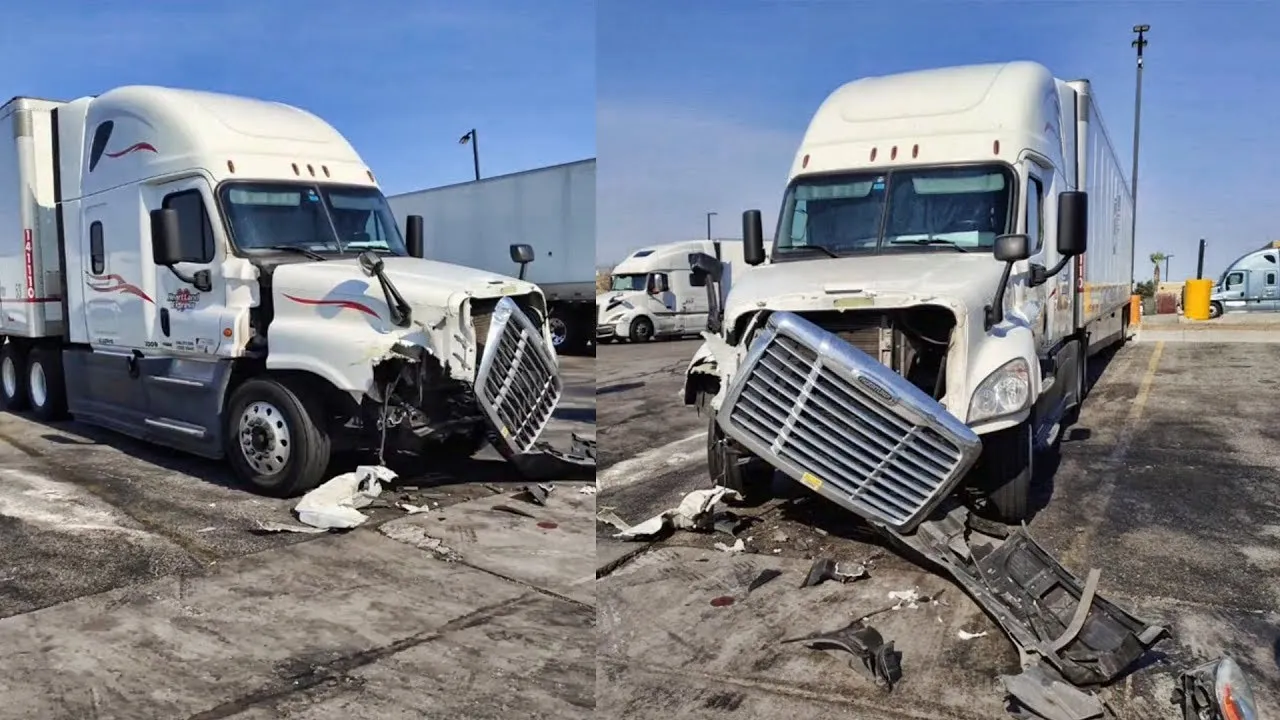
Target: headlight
[(1216, 689), (1003, 392), (1235, 697)]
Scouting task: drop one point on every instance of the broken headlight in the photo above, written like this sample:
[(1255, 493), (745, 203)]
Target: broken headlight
[(1217, 690), (1003, 392)]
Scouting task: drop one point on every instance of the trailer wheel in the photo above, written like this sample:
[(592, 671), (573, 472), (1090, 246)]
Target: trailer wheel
[(46, 389), (751, 477), (1005, 471), (276, 439), (566, 331), (1215, 310), (641, 330), (13, 374)]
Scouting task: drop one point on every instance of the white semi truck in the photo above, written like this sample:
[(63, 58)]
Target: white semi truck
[(552, 209), (222, 275), (953, 245)]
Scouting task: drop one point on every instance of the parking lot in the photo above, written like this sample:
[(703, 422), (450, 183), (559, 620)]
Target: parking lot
[(1169, 483), (134, 584)]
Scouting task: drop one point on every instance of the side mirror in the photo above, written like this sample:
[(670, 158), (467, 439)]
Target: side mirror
[(752, 238), (370, 263), (705, 265), (166, 243), (1012, 248), (1073, 222), (521, 253), (413, 237)]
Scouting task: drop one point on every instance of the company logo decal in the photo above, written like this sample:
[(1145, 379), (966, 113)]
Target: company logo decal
[(101, 135), (886, 397), (183, 300)]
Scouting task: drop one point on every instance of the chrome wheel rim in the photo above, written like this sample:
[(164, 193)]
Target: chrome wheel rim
[(38, 385), (9, 376), (559, 331), (265, 440)]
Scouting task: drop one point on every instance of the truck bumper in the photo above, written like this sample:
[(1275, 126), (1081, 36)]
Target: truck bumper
[(606, 332)]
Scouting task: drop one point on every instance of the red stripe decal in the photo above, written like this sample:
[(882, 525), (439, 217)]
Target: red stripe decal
[(115, 283), (348, 304), (132, 148)]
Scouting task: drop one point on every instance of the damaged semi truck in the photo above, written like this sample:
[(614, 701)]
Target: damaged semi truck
[(223, 275), (953, 245)]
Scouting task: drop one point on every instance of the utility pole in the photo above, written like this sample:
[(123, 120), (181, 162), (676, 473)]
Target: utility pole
[(1167, 258), (709, 216), (1139, 43), (474, 139)]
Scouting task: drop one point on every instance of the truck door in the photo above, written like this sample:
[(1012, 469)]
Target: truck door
[(191, 296), (1233, 291), (1270, 301), (696, 304), (662, 303)]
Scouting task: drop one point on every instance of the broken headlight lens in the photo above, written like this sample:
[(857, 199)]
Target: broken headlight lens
[(1004, 391), (1235, 697)]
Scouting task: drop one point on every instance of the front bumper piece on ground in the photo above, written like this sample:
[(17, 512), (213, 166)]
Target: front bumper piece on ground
[(838, 421), (518, 386)]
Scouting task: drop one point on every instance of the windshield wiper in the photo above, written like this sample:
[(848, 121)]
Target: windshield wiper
[(929, 241), (823, 248), (300, 250)]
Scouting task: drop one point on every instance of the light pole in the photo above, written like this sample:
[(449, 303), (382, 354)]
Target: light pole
[(472, 138), (1167, 258), (1139, 43), (709, 216)]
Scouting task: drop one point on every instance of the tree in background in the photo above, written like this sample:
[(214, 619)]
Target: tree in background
[(1156, 259), (602, 280)]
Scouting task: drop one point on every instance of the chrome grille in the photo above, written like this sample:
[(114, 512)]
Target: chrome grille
[(834, 418), (518, 384)]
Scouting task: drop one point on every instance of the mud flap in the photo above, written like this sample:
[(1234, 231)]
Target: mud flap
[(547, 463), (1051, 617)]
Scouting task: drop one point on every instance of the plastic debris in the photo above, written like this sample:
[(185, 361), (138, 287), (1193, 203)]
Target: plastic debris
[(905, 598), (824, 569), (966, 635), (417, 537), (536, 494), (413, 509), (336, 503), (587, 490), (737, 547), (872, 655), (695, 512), (276, 527), (764, 578)]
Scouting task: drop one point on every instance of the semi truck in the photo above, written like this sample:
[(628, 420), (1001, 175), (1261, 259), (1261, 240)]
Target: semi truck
[(551, 208), (653, 293), (1248, 284), (953, 245), (223, 275)]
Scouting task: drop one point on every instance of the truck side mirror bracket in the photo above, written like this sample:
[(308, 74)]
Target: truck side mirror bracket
[(704, 265)]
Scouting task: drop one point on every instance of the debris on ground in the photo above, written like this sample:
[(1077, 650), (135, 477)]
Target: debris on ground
[(587, 490), (513, 511), (536, 494), (966, 635), (731, 523), (417, 537), (824, 569), (696, 511), (336, 503), (906, 598), (609, 517), (736, 547), (763, 579), (1039, 695), (413, 509), (277, 527), (872, 655)]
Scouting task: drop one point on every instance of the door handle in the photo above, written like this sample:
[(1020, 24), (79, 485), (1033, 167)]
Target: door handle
[(164, 321)]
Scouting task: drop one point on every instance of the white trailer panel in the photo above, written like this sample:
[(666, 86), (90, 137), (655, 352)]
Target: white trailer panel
[(30, 280)]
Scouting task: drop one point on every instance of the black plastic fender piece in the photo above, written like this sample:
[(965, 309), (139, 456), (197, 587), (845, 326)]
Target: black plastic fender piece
[(877, 658), (547, 463), (1044, 609)]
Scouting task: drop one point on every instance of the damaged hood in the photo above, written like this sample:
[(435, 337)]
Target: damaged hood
[(964, 280), (423, 283)]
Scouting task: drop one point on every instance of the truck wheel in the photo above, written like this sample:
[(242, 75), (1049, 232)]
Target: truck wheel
[(751, 477), (13, 374), (276, 440), (641, 330), (46, 388), (454, 447), (564, 330), (1005, 471), (1215, 310)]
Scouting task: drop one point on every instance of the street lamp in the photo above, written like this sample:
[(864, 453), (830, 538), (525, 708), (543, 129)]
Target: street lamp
[(709, 216), (1167, 258), (472, 138), (1139, 43)]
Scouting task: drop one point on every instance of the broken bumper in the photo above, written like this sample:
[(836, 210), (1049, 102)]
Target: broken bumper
[(840, 422), (518, 387)]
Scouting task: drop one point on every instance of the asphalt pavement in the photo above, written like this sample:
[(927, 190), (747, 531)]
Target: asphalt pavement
[(1168, 483), (134, 584)]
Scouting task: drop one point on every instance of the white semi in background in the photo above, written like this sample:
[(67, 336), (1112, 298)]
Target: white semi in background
[(553, 209), (222, 275), (654, 294)]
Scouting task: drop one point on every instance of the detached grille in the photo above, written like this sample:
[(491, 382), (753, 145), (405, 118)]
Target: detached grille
[(518, 384), (834, 418)]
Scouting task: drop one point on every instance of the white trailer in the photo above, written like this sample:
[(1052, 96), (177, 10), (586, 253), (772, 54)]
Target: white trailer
[(653, 293), (223, 275), (553, 209)]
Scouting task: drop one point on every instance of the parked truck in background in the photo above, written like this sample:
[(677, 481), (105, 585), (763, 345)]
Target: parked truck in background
[(222, 275), (653, 293), (1248, 284), (928, 294), (553, 209)]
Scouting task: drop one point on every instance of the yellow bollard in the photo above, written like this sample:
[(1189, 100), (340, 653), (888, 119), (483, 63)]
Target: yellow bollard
[(1196, 304), (1135, 310)]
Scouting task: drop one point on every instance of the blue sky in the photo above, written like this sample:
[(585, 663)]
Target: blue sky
[(702, 105), (403, 80)]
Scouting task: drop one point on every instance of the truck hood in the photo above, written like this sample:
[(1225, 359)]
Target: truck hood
[(423, 283), (950, 278)]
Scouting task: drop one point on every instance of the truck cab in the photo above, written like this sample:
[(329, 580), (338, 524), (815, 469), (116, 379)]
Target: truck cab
[(223, 275), (653, 293), (1248, 284)]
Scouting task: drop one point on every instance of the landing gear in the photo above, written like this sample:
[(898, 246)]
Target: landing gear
[(276, 439)]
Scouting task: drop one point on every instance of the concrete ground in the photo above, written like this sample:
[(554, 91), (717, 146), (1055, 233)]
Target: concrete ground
[(133, 585), (1169, 483)]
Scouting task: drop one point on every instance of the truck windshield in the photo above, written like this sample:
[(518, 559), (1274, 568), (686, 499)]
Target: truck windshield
[(912, 210), (625, 283), (312, 218)]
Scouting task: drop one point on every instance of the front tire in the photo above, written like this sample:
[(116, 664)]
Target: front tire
[(641, 330), (751, 477), (276, 439), (1215, 310), (46, 388), (13, 375), (1005, 472)]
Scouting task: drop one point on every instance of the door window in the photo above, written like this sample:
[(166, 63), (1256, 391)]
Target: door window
[(697, 280), (194, 231), (1035, 214), (1271, 279), (1235, 279)]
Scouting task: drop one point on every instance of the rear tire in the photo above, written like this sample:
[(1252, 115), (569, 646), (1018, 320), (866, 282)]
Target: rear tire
[(641, 330), (13, 378), (1005, 472), (276, 439), (751, 477), (565, 335), (46, 388)]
